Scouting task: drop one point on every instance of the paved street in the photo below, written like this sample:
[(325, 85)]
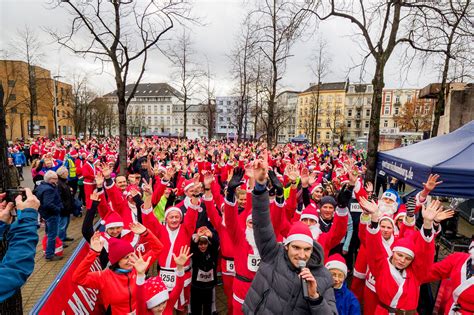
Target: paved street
[(45, 272)]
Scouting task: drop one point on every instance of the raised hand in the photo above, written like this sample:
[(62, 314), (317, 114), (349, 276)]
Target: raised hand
[(304, 177), (148, 187), (96, 242), (137, 228), (95, 196), (431, 211), (369, 206), (236, 179), (249, 170), (276, 183), (208, 179), (99, 179), (444, 215), (432, 182), (106, 171), (140, 264), (30, 202), (312, 178), (369, 187)]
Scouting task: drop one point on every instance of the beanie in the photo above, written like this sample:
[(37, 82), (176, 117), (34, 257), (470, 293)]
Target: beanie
[(328, 200), (118, 249), (338, 262), (155, 292), (299, 232), (404, 245)]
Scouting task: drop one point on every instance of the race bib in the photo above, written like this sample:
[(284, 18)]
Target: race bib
[(229, 264), (169, 278), (253, 261), (205, 276), (355, 207)]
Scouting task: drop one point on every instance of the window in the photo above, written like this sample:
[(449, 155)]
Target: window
[(319, 123), (369, 100), (386, 110), (168, 120), (409, 98), (161, 109), (149, 120), (155, 120), (338, 111), (228, 103), (351, 89), (395, 125), (11, 83), (397, 99), (349, 124), (388, 97), (369, 88), (366, 124), (385, 123), (349, 112), (327, 135), (154, 109), (168, 108), (357, 125), (12, 97), (396, 110), (318, 135), (194, 121), (367, 112), (330, 99), (328, 124), (338, 99)]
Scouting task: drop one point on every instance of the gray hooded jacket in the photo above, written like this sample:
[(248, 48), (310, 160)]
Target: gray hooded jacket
[(276, 288)]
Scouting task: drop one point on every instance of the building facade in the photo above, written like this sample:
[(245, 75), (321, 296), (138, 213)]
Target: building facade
[(288, 100), (32, 91), (320, 112), (227, 108), (357, 111), (196, 126)]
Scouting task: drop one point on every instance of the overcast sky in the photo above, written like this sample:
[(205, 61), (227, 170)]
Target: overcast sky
[(214, 40)]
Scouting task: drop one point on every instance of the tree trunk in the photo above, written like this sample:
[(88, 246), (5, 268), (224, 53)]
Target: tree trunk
[(4, 178), (374, 131), (185, 116), (439, 107), (122, 111)]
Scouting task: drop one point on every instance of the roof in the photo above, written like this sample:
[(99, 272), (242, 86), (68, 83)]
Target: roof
[(331, 86), (150, 89)]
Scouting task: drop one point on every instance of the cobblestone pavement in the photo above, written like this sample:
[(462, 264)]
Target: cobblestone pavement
[(45, 272)]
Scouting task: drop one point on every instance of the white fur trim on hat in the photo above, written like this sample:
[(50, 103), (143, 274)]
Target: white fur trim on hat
[(390, 196), (249, 217), (113, 224), (403, 250), (298, 237), (173, 209), (309, 216), (188, 186), (157, 299), (335, 264)]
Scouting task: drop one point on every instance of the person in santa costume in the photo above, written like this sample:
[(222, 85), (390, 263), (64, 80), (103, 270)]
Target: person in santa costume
[(459, 268), (399, 277), (152, 294), (346, 302), (117, 284), (89, 171)]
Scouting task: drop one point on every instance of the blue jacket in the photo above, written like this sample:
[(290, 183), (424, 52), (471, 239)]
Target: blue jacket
[(19, 158), (50, 200), (346, 302), (19, 260)]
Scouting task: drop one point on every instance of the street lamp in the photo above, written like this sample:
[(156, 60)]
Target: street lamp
[(55, 109)]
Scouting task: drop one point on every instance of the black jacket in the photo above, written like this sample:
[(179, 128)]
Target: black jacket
[(66, 197), (205, 263), (50, 201), (276, 288)]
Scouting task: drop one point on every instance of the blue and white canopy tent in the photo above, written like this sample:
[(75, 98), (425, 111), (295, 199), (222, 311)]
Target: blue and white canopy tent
[(451, 156)]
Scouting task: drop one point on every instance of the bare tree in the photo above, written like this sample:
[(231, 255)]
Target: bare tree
[(82, 98), (319, 66), (122, 33), (279, 25), (443, 33), (208, 106), (187, 73)]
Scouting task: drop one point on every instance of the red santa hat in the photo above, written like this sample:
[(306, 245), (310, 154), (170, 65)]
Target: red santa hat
[(344, 179), (113, 219), (118, 249), (402, 211), (73, 153), (299, 232), (314, 187), (387, 217), (171, 209), (155, 292), (188, 183), (129, 189), (338, 262), (404, 245), (309, 213)]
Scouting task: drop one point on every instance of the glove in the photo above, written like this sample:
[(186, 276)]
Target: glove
[(276, 183), (344, 197), (236, 179), (411, 205)]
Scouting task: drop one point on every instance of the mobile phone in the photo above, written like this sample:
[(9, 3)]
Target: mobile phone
[(12, 193)]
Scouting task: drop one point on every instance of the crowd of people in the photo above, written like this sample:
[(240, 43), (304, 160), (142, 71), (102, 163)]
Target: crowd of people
[(283, 229)]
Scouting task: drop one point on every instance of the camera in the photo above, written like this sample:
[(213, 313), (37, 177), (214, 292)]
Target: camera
[(13, 193)]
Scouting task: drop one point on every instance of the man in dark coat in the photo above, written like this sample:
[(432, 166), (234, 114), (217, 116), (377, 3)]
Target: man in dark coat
[(50, 208), (277, 287)]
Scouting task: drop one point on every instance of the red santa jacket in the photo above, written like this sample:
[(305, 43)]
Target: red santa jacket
[(88, 172)]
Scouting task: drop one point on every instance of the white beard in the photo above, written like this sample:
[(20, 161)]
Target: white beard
[(385, 208), (315, 231), (251, 239)]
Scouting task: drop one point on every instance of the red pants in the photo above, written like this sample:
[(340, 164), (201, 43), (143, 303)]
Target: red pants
[(237, 308), (370, 301), (88, 190), (357, 287), (228, 282)]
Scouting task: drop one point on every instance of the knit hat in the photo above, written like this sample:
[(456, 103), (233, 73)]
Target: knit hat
[(118, 249), (170, 209), (391, 194), (299, 232), (314, 187), (155, 292), (188, 184), (309, 213), (328, 200), (113, 219), (338, 262), (404, 245)]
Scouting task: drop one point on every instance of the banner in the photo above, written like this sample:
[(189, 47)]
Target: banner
[(64, 297)]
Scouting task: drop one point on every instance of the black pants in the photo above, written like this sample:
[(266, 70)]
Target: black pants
[(201, 301), (82, 196), (73, 184), (20, 171)]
